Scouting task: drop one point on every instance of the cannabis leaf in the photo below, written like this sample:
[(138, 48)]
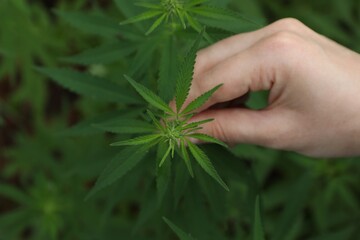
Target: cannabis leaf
[(188, 13), (88, 85), (119, 166), (149, 96), (138, 141), (180, 233), (185, 75), (170, 130), (258, 230), (198, 102), (205, 163)]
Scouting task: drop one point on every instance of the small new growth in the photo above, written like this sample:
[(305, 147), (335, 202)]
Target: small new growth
[(174, 129)]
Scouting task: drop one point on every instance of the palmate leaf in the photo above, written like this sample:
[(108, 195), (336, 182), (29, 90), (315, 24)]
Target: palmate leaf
[(196, 2), (156, 24), (89, 86), (138, 140), (221, 14), (126, 126), (198, 102), (155, 121), (196, 124), (148, 5), (185, 75), (180, 233), (207, 138), (14, 194), (91, 23), (142, 17), (165, 156), (168, 68), (185, 156), (163, 173), (120, 165), (223, 19), (193, 22), (258, 231), (103, 54), (181, 17), (295, 204), (206, 164), (88, 126), (149, 96), (181, 180)]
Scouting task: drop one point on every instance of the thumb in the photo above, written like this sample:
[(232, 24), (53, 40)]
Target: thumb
[(268, 128)]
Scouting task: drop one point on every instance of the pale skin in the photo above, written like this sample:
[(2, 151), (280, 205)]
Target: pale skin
[(314, 84)]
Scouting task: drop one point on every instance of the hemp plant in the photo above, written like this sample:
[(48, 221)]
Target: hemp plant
[(172, 129)]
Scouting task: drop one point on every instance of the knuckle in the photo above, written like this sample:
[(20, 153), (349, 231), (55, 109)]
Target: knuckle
[(289, 24), (283, 44), (281, 40)]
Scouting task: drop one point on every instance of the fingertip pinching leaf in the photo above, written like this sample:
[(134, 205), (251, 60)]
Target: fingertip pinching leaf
[(206, 164)]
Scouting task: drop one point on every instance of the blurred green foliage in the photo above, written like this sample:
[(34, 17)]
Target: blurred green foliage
[(52, 146)]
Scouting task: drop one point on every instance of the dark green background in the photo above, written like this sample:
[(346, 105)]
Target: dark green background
[(46, 170)]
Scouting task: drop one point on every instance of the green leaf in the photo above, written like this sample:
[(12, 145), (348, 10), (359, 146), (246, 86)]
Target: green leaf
[(142, 17), (149, 207), (149, 96), (201, 100), (148, 5), (180, 233), (185, 74), (185, 156), (14, 194), (137, 141), (207, 138), (346, 233), (221, 14), (126, 126), (196, 124), (94, 23), (155, 121), (193, 22), (206, 164), (295, 203), (165, 156), (181, 181), (89, 86), (89, 126), (119, 166), (143, 59), (196, 2), (156, 24), (168, 68), (103, 54), (181, 16), (163, 173), (258, 231)]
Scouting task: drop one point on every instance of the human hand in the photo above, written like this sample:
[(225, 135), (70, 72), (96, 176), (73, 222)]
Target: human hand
[(314, 83)]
